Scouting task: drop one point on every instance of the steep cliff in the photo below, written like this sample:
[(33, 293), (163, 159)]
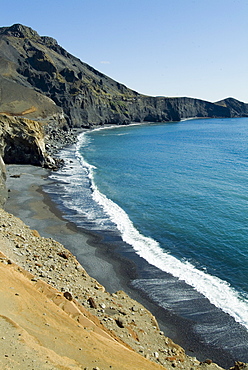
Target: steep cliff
[(22, 142), (45, 93), (84, 96), (236, 107)]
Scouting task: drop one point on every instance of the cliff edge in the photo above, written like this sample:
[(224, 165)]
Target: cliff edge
[(45, 94), (55, 82)]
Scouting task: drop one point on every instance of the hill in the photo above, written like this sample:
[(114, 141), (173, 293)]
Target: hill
[(46, 94), (39, 79)]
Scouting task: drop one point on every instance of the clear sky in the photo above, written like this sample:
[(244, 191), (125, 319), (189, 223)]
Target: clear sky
[(195, 48)]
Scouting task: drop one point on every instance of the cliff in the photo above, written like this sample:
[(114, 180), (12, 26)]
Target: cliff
[(22, 141), (54, 81), (236, 107), (45, 93)]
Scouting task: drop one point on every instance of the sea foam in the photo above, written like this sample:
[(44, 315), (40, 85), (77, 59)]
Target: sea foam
[(106, 214), (219, 292)]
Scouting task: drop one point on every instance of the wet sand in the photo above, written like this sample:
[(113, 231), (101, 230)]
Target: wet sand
[(34, 207), (113, 270)]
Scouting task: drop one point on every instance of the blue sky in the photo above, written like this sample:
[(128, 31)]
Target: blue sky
[(196, 48)]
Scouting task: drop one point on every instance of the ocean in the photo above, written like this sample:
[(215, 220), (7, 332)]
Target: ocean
[(176, 195)]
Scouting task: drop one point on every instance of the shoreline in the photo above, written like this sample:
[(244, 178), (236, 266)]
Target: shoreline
[(26, 201), (206, 328), (100, 259)]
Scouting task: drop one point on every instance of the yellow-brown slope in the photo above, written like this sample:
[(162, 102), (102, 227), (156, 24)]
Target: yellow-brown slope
[(37, 333)]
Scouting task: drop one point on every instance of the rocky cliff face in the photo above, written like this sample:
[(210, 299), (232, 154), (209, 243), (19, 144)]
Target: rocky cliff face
[(45, 93), (236, 107), (22, 141), (84, 96)]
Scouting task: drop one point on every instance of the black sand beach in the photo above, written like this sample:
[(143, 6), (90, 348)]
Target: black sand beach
[(106, 261)]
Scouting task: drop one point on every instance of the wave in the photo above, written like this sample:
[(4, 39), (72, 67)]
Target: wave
[(216, 290), (106, 214)]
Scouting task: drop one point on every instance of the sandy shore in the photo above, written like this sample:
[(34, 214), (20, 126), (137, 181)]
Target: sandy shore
[(126, 321), (27, 201), (34, 207)]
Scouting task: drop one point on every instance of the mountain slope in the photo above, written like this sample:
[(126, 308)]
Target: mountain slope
[(236, 107), (84, 96)]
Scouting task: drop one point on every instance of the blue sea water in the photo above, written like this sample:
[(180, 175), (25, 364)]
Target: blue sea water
[(177, 194)]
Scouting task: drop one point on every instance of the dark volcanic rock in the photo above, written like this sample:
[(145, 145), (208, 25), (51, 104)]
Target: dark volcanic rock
[(41, 81), (86, 96), (236, 107)]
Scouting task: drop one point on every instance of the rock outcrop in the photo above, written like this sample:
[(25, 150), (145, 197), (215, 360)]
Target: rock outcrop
[(23, 140)]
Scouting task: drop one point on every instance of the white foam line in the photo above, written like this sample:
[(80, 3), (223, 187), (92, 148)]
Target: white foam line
[(219, 292), (216, 290)]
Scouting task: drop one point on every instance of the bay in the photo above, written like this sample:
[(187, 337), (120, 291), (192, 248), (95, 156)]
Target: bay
[(176, 193), (185, 186)]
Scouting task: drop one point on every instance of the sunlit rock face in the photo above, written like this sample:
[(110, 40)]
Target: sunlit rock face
[(85, 96)]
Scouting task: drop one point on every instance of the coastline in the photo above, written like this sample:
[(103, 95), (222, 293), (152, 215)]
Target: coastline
[(44, 325), (26, 201), (55, 251), (29, 202)]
